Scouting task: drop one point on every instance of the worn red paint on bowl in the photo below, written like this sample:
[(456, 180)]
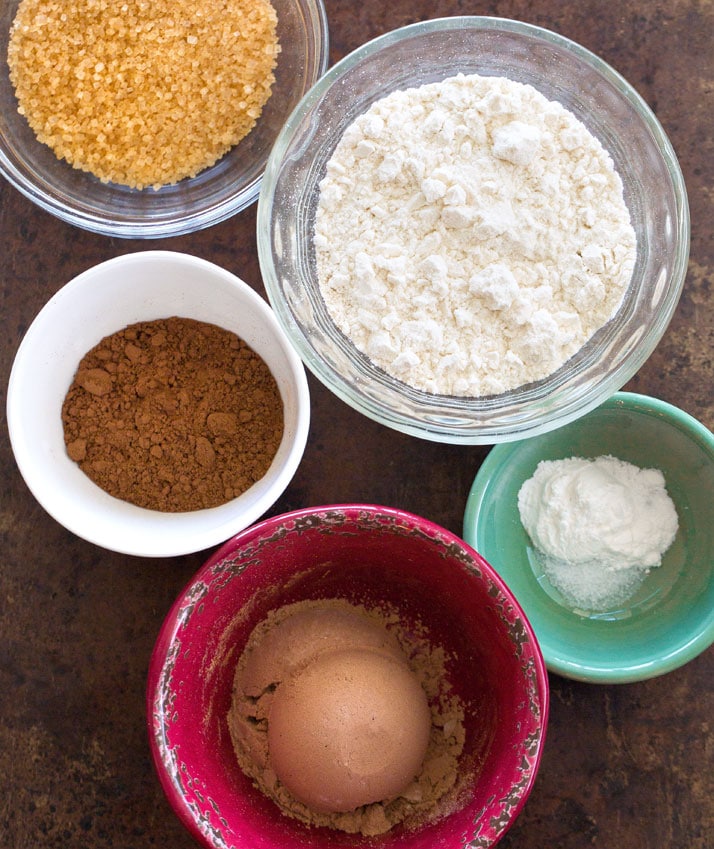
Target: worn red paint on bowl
[(365, 554)]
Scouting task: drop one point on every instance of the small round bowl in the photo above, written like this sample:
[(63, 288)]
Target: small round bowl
[(563, 71), (670, 619), (104, 299), (215, 194), (365, 554)]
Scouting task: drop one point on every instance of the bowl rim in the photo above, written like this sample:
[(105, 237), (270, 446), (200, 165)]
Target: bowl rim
[(163, 543), (137, 225), (551, 415), (499, 455), (173, 620)]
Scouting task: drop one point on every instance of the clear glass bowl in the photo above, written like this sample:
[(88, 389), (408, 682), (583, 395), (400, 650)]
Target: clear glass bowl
[(561, 70), (230, 185)]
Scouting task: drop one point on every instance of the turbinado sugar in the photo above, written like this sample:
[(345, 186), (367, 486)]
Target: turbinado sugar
[(142, 93), (173, 415)]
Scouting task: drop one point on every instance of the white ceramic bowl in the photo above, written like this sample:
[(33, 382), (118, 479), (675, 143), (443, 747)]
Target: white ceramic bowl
[(104, 299), (213, 195), (561, 70)]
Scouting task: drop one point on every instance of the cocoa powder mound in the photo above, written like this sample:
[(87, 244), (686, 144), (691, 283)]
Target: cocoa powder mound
[(440, 787), (173, 415)]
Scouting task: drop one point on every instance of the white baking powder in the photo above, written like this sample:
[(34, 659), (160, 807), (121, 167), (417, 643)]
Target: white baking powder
[(471, 235), (599, 525)]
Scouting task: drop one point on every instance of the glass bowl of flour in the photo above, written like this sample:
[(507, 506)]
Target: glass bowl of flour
[(473, 230), (603, 531)]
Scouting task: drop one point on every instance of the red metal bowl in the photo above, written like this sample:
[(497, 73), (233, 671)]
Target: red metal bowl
[(365, 554)]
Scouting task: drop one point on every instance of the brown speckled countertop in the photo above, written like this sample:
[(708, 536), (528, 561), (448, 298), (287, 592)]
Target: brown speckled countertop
[(629, 766)]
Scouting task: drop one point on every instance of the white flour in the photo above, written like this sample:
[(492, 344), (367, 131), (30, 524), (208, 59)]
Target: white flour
[(471, 235), (600, 525)]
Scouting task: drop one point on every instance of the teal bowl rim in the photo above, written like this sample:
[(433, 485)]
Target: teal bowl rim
[(663, 663)]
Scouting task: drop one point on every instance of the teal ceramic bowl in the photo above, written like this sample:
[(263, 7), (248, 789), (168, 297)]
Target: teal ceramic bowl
[(670, 618)]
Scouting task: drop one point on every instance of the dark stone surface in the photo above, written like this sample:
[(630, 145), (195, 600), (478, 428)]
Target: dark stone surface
[(625, 766)]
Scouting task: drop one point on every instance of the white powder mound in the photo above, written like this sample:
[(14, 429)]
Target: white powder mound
[(471, 235), (599, 525)]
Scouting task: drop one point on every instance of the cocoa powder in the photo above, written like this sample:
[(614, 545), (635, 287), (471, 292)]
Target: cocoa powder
[(441, 786), (173, 415)]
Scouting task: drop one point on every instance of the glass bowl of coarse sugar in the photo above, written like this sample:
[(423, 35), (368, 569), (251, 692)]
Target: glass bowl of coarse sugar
[(145, 120), (473, 230)]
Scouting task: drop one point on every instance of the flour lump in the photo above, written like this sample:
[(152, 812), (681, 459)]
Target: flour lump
[(471, 235)]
